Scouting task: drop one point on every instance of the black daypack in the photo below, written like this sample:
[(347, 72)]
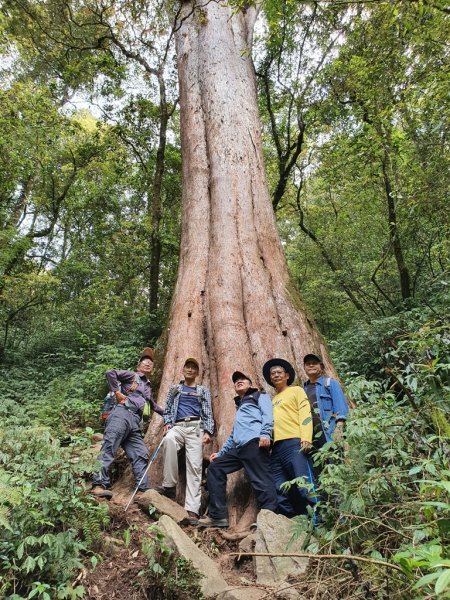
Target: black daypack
[(252, 398)]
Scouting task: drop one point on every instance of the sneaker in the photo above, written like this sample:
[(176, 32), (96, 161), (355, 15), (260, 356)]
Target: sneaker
[(193, 517), (170, 492), (209, 522), (100, 492)]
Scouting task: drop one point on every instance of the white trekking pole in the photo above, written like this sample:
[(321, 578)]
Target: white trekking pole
[(155, 454)]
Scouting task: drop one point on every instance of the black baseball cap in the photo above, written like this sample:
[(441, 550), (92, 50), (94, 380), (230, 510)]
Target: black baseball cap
[(315, 357), (240, 375)]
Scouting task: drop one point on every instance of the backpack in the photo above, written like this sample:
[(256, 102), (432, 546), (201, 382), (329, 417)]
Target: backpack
[(109, 401), (253, 399)]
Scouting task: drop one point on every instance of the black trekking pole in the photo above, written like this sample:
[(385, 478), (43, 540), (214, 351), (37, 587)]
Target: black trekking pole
[(155, 454)]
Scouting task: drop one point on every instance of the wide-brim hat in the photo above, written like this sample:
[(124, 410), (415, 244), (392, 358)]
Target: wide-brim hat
[(190, 359), (240, 375), (278, 362), (315, 357), (147, 353)]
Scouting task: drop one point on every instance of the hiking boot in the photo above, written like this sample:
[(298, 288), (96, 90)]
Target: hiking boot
[(193, 517), (209, 522), (169, 492), (101, 492)]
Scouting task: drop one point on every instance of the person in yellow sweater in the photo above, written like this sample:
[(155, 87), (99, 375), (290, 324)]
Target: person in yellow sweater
[(292, 436)]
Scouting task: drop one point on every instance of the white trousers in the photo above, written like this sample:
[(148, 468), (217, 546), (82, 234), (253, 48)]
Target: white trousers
[(188, 435)]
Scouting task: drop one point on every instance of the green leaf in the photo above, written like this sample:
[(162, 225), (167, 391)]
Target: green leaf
[(425, 580), (415, 470), (20, 550), (443, 583), (157, 568), (444, 505), (29, 564)]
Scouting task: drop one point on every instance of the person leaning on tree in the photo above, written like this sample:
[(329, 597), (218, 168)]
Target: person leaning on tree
[(247, 447), (292, 436), (132, 390), (328, 404), (189, 423)]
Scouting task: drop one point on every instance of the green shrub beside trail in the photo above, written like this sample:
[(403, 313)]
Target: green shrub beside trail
[(388, 484)]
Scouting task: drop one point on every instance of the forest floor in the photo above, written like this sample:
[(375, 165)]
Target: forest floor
[(120, 573)]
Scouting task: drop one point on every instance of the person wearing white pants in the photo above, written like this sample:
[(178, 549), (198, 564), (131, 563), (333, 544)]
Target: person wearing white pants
[(189, 423)]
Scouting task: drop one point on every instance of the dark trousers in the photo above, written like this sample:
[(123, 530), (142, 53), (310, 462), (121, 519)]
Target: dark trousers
[(287, 463), (122, 429), (256, 463)]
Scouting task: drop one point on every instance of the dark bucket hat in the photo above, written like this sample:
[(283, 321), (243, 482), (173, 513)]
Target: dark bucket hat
[(278, 362)]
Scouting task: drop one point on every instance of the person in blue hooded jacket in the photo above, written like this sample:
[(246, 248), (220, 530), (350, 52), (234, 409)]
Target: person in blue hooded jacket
[(329, 406), (247, 447)]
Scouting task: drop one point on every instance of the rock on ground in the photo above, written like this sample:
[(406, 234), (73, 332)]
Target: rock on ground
[(163, 506), (248, 543), (243, 593), (212, 582), (273, 535)]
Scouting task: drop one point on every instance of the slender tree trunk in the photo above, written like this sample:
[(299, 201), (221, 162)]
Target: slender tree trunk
[(404, 278), (234, 306), (326, 256)]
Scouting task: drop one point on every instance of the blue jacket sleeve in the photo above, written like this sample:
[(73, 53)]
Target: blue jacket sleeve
[(228, 445), (265, 405), (340, 406)]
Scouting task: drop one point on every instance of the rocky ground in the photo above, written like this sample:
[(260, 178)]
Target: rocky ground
[(123, 572)]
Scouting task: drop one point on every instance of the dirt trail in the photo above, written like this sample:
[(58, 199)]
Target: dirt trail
[(120, 573)]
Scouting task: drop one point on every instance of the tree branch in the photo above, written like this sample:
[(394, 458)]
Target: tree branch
[(348, 557)]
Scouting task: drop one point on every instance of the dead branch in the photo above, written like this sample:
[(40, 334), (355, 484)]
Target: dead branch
[(371, 561)]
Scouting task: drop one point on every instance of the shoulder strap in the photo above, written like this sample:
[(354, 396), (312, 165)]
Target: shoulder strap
[(135, 384), (327, 383)]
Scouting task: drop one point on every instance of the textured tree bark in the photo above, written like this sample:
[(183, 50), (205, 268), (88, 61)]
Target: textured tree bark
[(234, 306), (154, 204)]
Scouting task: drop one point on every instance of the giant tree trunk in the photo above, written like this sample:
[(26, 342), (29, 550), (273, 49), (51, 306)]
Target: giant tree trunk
[(234, 306)]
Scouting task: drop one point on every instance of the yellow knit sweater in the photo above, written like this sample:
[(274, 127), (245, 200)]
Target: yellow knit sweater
[(292, 415)]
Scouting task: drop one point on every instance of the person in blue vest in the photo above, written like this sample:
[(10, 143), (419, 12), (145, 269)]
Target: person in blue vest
[(189, 424), (329, 406), (247, 447), (132, 391)]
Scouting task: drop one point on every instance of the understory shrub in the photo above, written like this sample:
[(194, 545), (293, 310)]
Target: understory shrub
[(48, 525), (386, 488), (169, 575)]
